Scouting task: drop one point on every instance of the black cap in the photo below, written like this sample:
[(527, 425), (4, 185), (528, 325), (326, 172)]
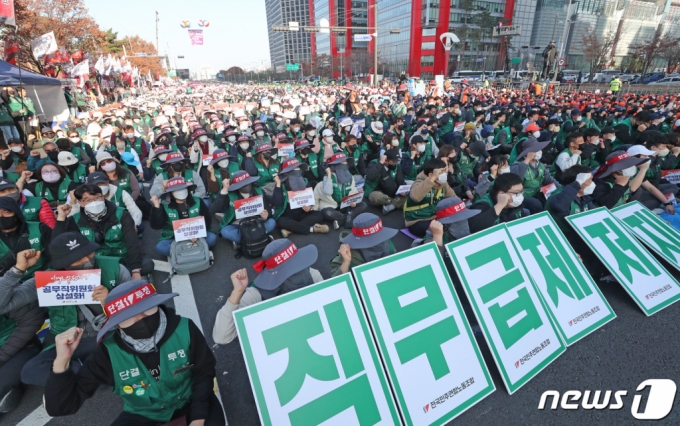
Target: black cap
[(607, 130), (68, 248), (392, 154), (14, 141), (417, 139), (97, 177)]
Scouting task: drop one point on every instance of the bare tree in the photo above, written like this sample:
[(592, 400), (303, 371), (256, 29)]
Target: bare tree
[(672, 56), (597, 50), (649, 50)]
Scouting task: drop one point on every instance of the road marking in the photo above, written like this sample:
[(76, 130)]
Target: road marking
[(185, 305)]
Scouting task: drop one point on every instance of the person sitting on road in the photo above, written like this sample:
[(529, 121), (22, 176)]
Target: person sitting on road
[(275, 277), (157, 361), (178, 202), (503, 203), (175, 164), (303, 220), (367, 242), (451, 222), (337, 184)]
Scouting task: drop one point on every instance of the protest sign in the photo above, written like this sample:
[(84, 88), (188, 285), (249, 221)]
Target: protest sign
[(672, 176), (522, 338), (574, 301), (286, 150), (247, 207), (351, 199), (651, 230), (403, 190), (220, 105), (426, 343), (459, 126), (640, 274), (302, 198), (548, 190), (59, 288), (207, 159), (310, 358), (187, 229)]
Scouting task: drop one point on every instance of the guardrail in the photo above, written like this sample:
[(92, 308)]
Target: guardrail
[(646, 89)]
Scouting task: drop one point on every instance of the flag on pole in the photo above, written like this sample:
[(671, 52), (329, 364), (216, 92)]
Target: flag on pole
[(116, 66), (7, 12), (99, 65), (81, 69), (196, 37), (11, 51), (43, 45)]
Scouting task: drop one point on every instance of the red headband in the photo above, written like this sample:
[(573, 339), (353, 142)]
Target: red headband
[(617, 158), (240, 178), (264, 147), (175, 182), (129, 299), (276, 260), (451, 210), (337, 157), (371, 230)]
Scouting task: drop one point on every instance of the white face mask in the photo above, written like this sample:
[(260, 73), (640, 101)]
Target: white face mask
[(296, 129), (182, 194), (395, 142), (231, 138), (539, 155), (109, 167), (223, 163), (74, 140), (287, 122), (105, 189), (259, 133), (244, 145), (328, 139), (516, 200), (19, 148), (220, 129), (162, 157), (630, 171), (312, 133), (203, 139), (120, 146), (505, 170), (595, 141), (279, 119), (130, 135), (60, 134), (664, 152), (579, 118), (441, 179), (536, 134), (348, 128), (421, 147), (589, 189), (95, 207)]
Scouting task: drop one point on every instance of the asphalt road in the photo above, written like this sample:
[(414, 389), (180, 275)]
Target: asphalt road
[(619, 356)]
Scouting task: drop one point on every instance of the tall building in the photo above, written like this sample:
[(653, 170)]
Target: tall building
[(292, 46)]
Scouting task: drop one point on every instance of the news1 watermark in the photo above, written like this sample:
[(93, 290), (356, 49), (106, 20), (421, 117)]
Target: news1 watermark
[(659, 401)]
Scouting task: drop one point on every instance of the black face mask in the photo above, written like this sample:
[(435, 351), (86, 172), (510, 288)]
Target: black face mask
[(306, 151), (16, 196), (246, 188), (267, 155), (351, 148), (8, 222), (454, 159), (53, 155), (145, 328), (178, 167), (391, 166), (73, 167)]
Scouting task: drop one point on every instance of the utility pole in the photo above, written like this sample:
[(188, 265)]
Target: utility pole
[(157, 51), (375, 45)]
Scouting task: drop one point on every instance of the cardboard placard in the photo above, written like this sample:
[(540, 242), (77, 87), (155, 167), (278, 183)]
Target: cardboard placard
[(672, 176), (248, 207), (286, 150), (640, 274), (60, 288), (207, 159), (403, 190), (274, 108), (522, 338), (649, 228), (548, 190), (573, 299), (187, 229), (434, 364), (335, 376), (459, 126), (351, 199), (299, 199)]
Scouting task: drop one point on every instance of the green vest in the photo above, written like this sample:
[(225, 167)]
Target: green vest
[(42, 191), (229, 213), (218, 178), (7, 327), (425, 208), (653, 172), (114, 243), (562, 134), (371, 185), (142, 394), (532, 184), (79, 174), (36, 242), (156, 166), (124, 182), (313, 162), (137, 146), (31, 209), (117, 199), (340, 191), (64, 317), (266, 174), (168, 232), (623, 199), (486, 199), (467, 164), (77, 152), (574, 208)]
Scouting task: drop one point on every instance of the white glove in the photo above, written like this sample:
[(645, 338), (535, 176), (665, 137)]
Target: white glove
[(581, 178)]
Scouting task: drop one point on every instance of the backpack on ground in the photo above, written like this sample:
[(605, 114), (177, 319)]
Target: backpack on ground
[(187, 257), (254, 237)]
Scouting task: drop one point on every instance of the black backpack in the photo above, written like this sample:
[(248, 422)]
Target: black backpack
[(253, 237)]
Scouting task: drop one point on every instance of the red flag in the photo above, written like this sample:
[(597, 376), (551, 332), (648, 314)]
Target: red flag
[(77, 57), (7, 12), (11, 51)]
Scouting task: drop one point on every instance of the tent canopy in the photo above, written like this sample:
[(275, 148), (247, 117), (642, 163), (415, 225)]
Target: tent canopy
[(9, 76)]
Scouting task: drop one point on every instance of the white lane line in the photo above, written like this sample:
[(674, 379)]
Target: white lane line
[(185, 305), (38, 417)]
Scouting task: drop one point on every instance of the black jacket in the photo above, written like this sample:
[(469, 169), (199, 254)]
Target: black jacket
[(29, 318), (65, 393), (606, 196), (386, 184), (8, 162), (18, 240), (132, 242), (487, 218)]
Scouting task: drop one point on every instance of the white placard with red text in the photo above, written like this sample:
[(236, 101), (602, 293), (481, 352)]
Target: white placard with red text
[(286, 150), (351, 199), (187, 229), (59, 288), (302, 198), (248, 207)]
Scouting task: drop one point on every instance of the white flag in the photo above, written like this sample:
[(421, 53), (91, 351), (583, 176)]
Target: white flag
[(43, 45), (116, 66), (108, 65), (99, 65), (81, 69)]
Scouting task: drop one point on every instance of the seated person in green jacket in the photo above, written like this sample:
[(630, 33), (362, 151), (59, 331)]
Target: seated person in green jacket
[(383, 178), (619, 177), (368, 241), (534, 174), (503, 203)]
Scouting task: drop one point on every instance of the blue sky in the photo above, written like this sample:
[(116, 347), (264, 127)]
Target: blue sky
[(237, 35)]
